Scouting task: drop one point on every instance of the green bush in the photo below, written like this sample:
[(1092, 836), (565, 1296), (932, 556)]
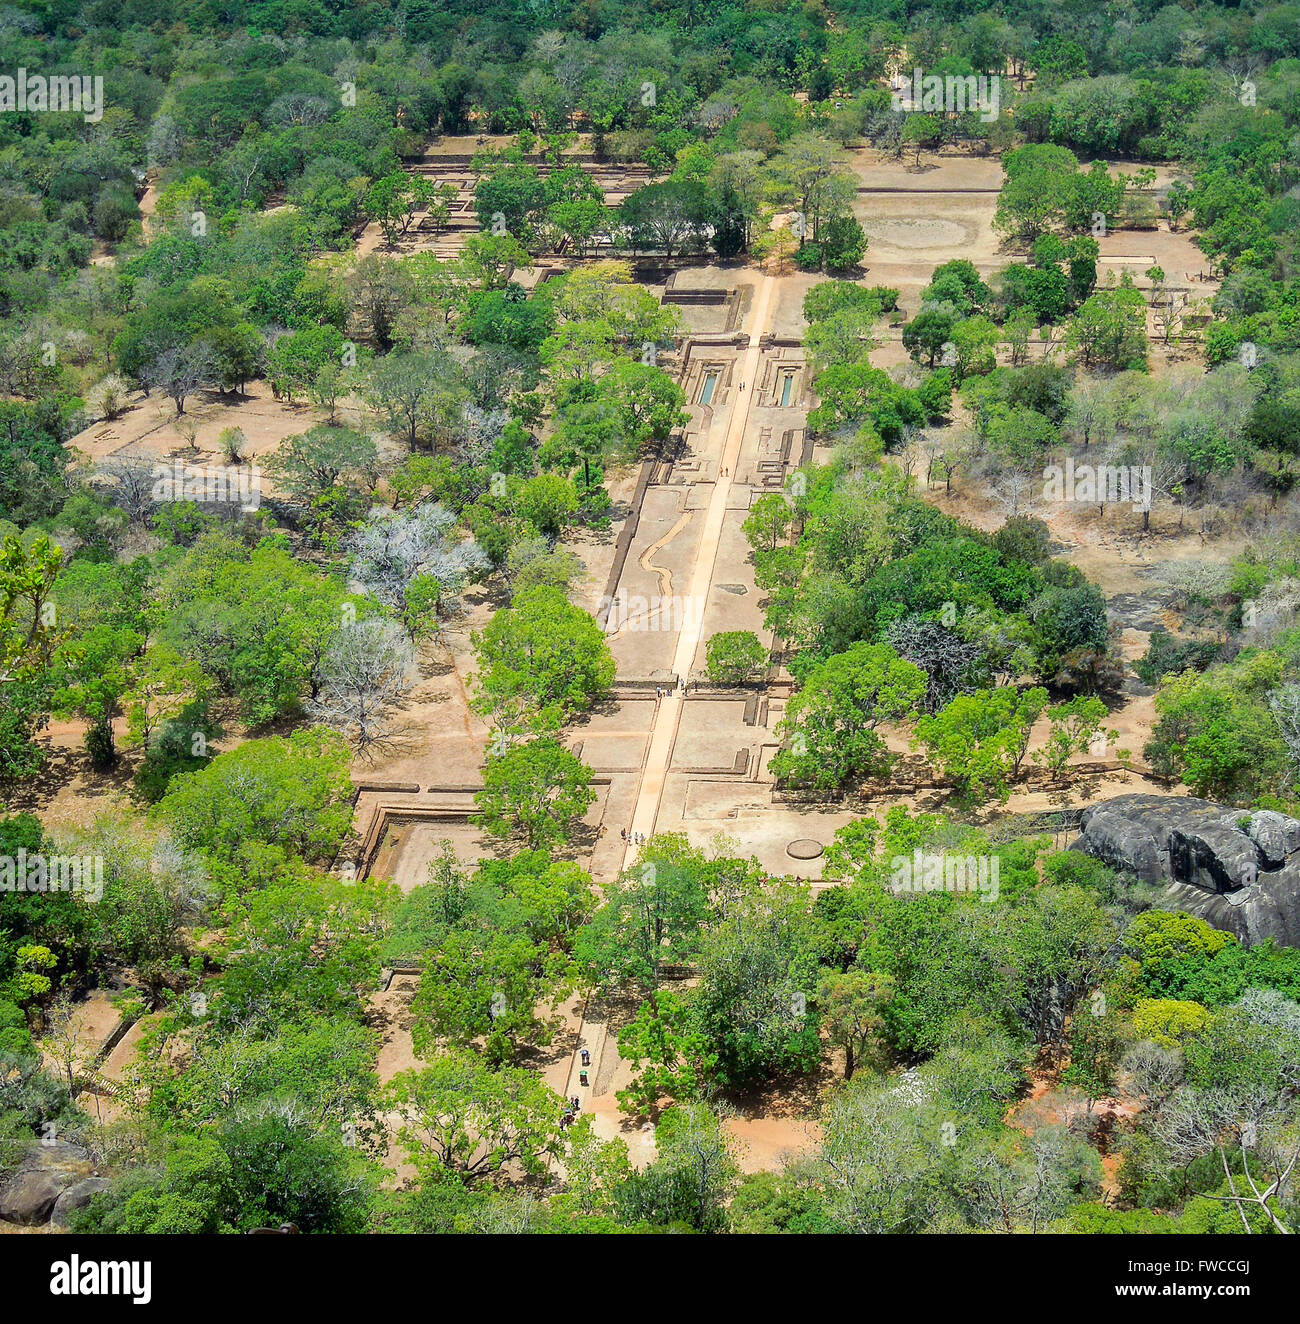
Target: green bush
[(1167, 653), (15, 1038), (809, 257)]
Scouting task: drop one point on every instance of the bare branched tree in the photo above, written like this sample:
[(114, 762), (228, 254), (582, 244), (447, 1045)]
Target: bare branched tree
[(1284, 703), (364, 674), (1253, 1129), (1154, 1072), (130, 480), (950, 662), (182, 370), (390, 549), (1014, 491)]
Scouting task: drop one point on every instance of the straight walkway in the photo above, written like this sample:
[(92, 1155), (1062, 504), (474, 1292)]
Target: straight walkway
[(667, 719)]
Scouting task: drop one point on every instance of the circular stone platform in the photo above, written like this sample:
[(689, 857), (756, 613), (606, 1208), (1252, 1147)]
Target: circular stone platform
[(804, 849)]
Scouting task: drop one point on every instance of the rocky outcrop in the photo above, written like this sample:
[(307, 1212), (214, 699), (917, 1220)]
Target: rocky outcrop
[(29, 1196), (77, 1197), (1237, 870)]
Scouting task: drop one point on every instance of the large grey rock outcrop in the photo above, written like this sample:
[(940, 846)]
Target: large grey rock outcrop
[(1237, 870), (77, 1197), (28, 1196)]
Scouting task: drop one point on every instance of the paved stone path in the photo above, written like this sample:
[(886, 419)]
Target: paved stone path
[(668, 710), (593, 1031)]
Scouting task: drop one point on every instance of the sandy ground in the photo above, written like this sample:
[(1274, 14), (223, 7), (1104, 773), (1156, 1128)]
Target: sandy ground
[(150, 429), (1048, 1104), (93, 1022), (148, 426)]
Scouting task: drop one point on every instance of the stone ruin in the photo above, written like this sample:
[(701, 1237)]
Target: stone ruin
[(1235, 869)]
